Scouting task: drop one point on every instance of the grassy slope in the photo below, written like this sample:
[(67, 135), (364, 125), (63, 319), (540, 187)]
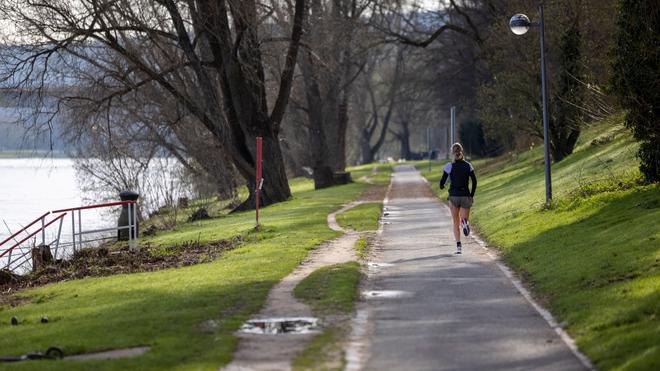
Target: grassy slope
[(594, 258), (164, 309)]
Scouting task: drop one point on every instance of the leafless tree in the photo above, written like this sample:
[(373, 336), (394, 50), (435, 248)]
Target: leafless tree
[(218, 43), (381, 90), (146, 118), (329, 69), (410, 23)]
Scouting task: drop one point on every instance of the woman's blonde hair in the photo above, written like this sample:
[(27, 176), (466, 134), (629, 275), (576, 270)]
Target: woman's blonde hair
[(457, 151)]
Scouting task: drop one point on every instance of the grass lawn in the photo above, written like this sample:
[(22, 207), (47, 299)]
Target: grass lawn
[(361, 217), (330, 292), (165, 309), (594, 257)]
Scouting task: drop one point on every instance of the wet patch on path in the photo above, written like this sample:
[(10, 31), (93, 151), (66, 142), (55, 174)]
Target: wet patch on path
[(274, 326)]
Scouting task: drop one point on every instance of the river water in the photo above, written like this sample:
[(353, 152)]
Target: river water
[(31, 187)]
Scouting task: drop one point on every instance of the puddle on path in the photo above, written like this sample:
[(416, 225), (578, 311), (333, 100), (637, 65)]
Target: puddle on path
[(386, 294), (283, 325), (379, 265)]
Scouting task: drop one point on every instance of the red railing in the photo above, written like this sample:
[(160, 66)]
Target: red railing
[(33, 233), (132, 226), (23, 229), (95, 206)]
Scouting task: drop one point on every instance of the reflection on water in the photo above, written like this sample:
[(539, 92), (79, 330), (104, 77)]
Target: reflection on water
[(285, 325)]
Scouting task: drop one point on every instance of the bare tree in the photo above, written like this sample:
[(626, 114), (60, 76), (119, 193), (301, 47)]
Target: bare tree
[(408, 22), (329, 69), (381, 84), (218, 43), (148, 117)]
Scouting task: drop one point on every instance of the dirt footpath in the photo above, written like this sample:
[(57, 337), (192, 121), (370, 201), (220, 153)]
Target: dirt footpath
[(276, 351)]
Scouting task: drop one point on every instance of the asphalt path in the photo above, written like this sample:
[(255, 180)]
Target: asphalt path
[(435, 310)]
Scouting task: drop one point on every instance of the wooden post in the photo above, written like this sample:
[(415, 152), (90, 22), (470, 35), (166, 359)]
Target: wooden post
[(258, 178), (41, 257)]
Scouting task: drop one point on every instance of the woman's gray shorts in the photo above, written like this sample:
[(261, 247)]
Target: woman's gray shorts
[(464, 202)]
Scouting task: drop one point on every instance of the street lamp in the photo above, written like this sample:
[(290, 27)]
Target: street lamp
[(519, 25)]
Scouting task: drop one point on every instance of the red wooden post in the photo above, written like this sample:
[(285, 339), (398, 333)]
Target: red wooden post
[(259, 179)]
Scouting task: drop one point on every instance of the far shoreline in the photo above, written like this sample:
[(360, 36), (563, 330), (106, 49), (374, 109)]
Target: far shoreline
[(27, 154)]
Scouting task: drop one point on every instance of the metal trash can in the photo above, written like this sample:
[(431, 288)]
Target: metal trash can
[(123, 234)]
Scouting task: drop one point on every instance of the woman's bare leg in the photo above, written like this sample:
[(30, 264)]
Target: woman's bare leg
[(465, 214), (457, 221)]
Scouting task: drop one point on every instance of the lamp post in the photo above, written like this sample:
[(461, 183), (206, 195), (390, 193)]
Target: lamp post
[(519, 25)]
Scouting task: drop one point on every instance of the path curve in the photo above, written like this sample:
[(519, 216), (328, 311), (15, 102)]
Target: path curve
[(275, 352)]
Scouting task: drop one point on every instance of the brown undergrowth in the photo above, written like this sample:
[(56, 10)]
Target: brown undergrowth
[(105, 261)]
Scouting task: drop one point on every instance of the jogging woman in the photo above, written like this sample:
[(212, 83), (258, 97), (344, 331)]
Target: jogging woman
[(460, 199)]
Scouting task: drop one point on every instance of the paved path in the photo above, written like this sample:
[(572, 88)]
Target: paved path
[(461, 312)]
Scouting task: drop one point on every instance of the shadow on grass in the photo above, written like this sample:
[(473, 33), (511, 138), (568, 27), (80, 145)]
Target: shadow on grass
[(171, 322)]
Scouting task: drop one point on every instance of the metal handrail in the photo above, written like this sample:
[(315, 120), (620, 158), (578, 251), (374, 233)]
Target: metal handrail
[(95, 206), (43, 227), (24, 228), (76, 232)]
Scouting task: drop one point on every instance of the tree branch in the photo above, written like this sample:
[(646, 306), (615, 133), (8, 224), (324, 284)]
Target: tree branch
[(286, 81)]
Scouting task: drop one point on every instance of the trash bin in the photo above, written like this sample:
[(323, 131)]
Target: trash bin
[(122, 234)]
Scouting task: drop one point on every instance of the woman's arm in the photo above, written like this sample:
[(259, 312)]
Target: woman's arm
[(443, 180), (474, 183)]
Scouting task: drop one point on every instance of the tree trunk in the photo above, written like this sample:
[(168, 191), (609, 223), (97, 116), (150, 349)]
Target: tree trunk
[(325, 139), (242, 82), (323, 177), (405, 148), (562, 144), (275, 186), (404, 140), (41, 257), (324, 74), (322, 164), (338, 144), (365, 147)]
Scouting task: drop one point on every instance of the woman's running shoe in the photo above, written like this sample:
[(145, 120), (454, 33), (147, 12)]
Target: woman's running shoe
[(466, 227)]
